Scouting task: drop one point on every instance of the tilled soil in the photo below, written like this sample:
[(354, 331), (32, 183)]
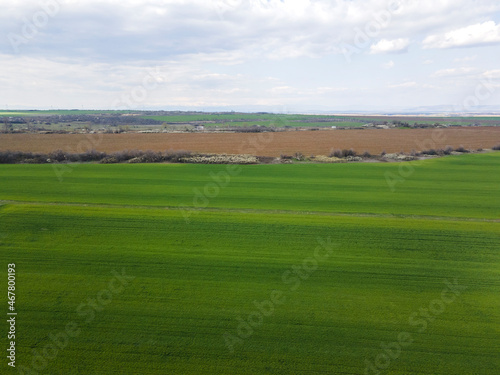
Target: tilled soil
[(320, 142)]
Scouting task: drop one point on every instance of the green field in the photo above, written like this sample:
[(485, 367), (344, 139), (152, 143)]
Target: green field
[(266, 269), (296, 120), (269, 120), (233, 119), (35, 113)]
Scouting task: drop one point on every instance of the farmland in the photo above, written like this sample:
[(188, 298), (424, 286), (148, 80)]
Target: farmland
[(78, 121), (268, 144), (297, 120), (205, 248), (264, 119), (36, 113)]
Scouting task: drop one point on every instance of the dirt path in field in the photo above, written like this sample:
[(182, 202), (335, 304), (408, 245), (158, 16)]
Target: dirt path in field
[(261, 144)]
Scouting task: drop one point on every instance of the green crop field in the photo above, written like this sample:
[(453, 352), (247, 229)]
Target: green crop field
[(266, 269), (236, 119), (35, 113), (214, 117), (272, 120), (295, 120)]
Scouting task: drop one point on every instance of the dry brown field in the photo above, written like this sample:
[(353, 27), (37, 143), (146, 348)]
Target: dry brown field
[(261, 144)]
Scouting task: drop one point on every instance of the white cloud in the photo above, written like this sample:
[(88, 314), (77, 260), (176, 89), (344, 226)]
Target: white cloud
[(465, 59), (326, 90), (428, 62), (388, 65), (474, 35), (282, 90), (492, 74), (454, 72), (388, 46), (224, 51), (491, 80), (403, 85), (112, 30)]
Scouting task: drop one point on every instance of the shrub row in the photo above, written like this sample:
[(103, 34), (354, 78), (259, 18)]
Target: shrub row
[(343, 153), (59, 156), (221, 159), (136, 156), (446, 151), (328, 159), (128, 156)]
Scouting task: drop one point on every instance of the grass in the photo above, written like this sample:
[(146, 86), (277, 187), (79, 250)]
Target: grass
[(437, 187), (194, 280)]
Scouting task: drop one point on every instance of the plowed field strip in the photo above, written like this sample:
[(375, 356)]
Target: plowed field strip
[(262, 144)]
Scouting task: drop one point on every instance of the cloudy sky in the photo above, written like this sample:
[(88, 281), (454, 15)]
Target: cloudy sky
[(279, 55)]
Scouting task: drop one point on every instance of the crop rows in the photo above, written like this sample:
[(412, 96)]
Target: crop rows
[(196, 269)]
